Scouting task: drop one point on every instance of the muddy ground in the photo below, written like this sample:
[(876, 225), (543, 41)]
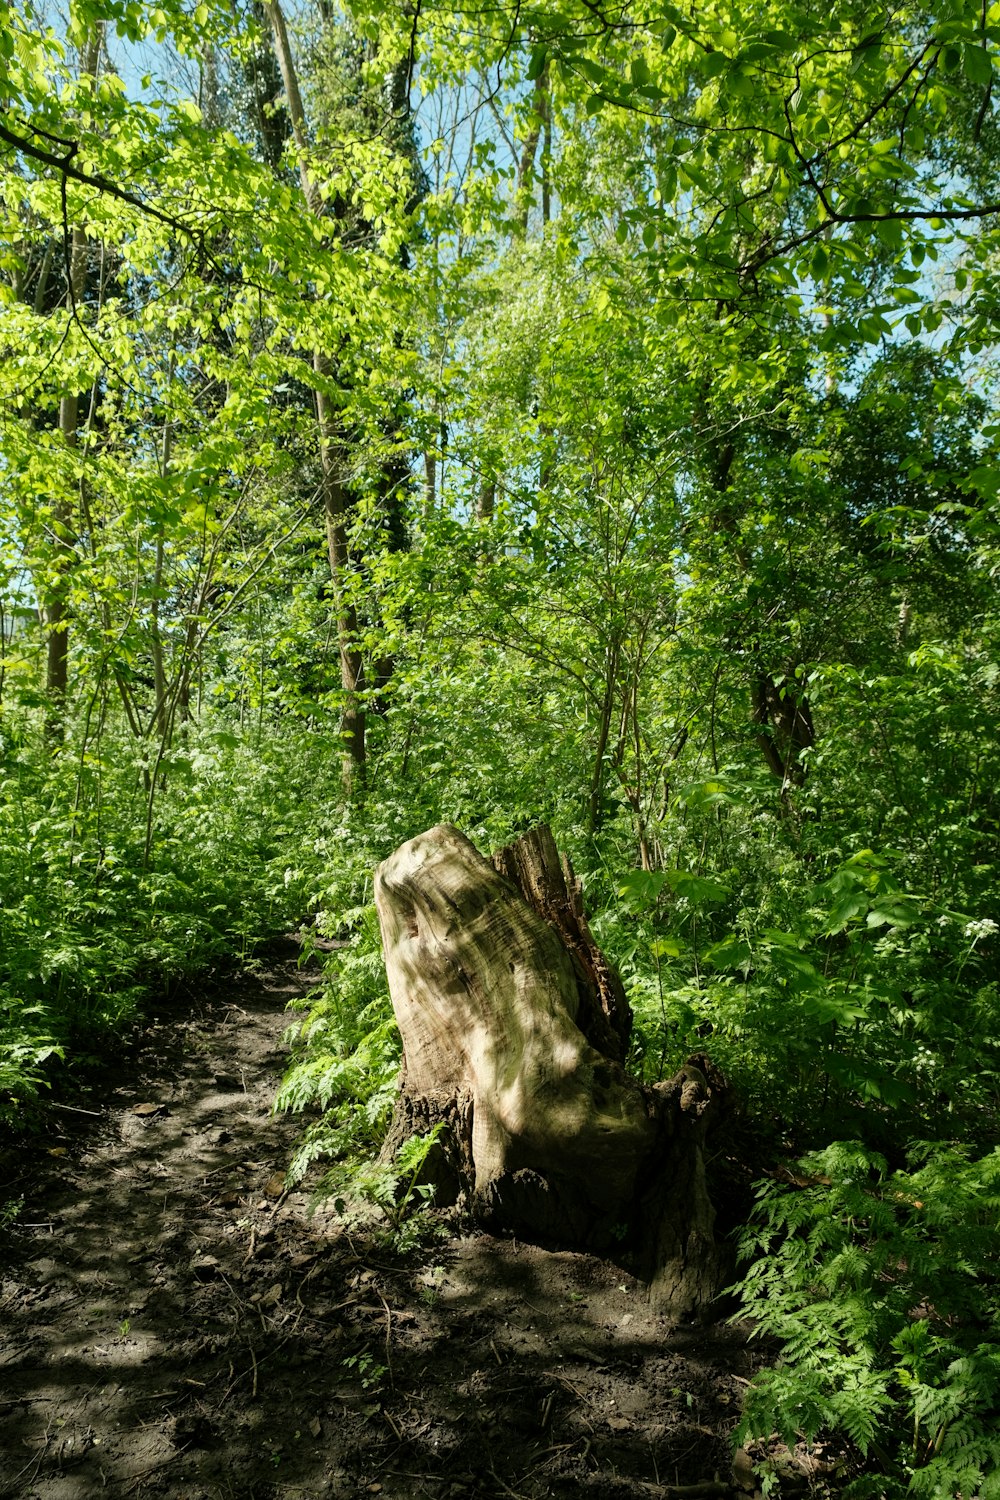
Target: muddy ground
[(173, 1323)]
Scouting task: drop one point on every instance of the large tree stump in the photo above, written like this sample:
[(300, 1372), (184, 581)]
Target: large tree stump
[(514, 1031)]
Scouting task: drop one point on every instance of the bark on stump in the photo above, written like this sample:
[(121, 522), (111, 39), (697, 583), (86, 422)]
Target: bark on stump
[(514, 1030)]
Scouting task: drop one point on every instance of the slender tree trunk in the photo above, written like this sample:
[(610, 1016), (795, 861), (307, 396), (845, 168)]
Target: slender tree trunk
[(44, 272), (160, 719), (336, 501), (782, 719), (596, 792), (63, 525), (208, 87), (546, 164), (336, 505), (486, 500), (526, 166), (57, 609), (784, 728)]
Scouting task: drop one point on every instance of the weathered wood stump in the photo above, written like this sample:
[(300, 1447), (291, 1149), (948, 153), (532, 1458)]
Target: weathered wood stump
[(514, 1032)]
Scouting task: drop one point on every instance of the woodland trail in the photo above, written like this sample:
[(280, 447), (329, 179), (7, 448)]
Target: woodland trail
[(175, 1324)]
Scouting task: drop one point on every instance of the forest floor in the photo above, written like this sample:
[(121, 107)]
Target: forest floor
[(174, 1323)]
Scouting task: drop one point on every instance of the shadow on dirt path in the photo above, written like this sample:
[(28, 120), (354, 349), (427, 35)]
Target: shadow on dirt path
[(175, 1324)]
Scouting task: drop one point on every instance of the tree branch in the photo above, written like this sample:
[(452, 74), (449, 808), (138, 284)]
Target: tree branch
[(95, 180)]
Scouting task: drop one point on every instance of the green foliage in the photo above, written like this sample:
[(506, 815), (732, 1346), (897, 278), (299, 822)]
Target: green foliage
[(24, 1048), (368, 1368), (653, 494), (89, 927), (825, 1001), (345, 1054), (345, 1063), (393, 1190), (882, 1288)]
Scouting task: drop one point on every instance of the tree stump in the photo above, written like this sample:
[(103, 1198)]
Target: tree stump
[(514, 1029)]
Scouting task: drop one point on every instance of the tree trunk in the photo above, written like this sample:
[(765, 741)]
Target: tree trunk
[(784, 728), (63, 523), (538, 124), (514, 1030), (336, 499)]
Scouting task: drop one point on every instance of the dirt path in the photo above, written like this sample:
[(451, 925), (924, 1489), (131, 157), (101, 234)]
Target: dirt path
[(174, 1324)]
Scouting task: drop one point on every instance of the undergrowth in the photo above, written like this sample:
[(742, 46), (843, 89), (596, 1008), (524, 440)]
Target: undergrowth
[(345, 1057), (113, 888), (865, 995), (883, 1288), (345, 1065)]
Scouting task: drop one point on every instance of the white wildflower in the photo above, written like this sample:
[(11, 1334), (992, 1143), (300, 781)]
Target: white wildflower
[(981, 929)]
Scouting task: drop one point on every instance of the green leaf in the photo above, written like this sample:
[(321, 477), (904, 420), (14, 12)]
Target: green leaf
[(711, 793), (834, 1005), (867, 50), (854, 904), (892, 914), (976, 64), (796, 969), (594, 71), (641, 888), (697, 888), (730, 953), (782, 939), (985, 480), (820, 261), (890, 232), (714, 63), (536, 63), (739, 84), (869, 1079)]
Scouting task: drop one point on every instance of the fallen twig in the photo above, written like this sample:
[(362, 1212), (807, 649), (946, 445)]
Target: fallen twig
[(505, 1487), (575, 1389), (388, 1338), (704, 1487), (160, 1464)]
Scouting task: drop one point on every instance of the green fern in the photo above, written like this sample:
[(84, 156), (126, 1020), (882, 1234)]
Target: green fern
[(345, 1064), (884, 1291)]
